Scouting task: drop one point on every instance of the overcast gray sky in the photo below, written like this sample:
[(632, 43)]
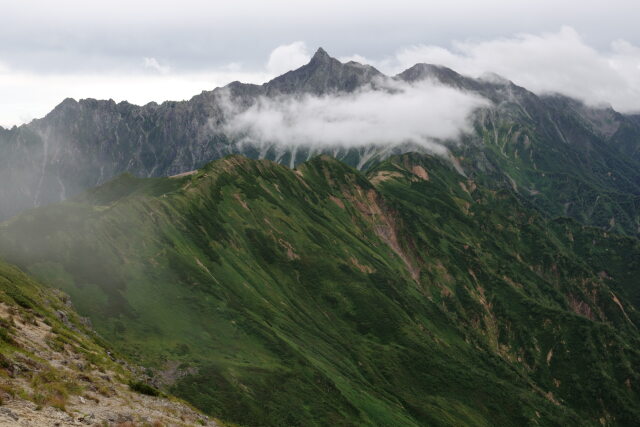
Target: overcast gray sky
[(158, 50)]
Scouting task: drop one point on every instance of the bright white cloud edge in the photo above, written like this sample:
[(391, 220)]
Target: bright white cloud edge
[(559, 62), (424, 113)]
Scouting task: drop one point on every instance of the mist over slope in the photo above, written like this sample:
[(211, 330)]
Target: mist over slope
[(55, 370), (406, 295), (569, 159)]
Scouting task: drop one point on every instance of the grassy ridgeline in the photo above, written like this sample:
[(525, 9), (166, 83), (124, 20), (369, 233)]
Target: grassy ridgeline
[(324, 296)]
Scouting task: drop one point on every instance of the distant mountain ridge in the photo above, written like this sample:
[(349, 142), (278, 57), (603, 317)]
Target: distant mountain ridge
[(569, 159)]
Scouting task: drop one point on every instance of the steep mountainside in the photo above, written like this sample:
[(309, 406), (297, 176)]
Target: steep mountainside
[(55, 371), (406, 295), (567, 158)]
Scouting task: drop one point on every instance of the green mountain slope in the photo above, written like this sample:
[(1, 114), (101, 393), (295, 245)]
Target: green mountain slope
[(567, 158), (574, 172), (408, 295)]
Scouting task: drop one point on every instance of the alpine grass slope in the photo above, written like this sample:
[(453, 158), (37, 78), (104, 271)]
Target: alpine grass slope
[(407, 294)]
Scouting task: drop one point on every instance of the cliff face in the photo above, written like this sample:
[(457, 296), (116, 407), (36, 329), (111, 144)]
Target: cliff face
[(567, 158)]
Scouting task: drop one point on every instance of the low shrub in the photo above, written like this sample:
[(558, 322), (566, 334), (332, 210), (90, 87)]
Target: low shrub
[(144, 388)]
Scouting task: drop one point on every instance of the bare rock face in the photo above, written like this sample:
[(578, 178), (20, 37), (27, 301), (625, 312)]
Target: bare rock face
[(322, 75)]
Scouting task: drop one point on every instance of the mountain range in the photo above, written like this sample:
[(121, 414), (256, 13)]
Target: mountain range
[(592, 176), (493, 285)]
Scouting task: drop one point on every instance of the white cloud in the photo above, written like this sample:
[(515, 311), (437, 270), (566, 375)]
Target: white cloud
[(153, 64), (356, 58), (423, 114), (287, 57), (558, 62)]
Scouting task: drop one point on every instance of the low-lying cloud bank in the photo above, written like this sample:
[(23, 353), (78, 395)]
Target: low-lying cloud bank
[(559, 62), (425, 114)]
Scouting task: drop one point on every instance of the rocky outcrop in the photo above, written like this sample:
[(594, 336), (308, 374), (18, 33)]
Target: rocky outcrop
[(53, 372)]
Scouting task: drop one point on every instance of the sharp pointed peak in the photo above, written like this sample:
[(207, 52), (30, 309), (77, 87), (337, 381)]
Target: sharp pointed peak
[(321, 56), (321, 53)]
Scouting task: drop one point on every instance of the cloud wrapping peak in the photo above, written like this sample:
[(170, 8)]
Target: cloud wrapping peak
[(287, 57), (424, 114), (559, 62)]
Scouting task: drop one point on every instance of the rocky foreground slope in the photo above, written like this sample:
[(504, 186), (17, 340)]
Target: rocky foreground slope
[(322, 295), (54, 371)]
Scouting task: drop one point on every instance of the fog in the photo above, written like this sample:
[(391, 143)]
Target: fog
[(390, 113)]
